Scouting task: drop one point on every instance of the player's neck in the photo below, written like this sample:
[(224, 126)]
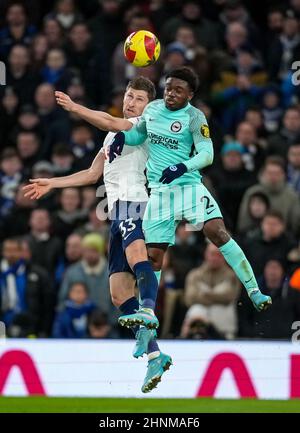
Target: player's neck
[(179, 108)]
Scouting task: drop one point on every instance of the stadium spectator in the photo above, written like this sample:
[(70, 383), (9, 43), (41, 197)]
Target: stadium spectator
[(46, 249), (28, 121), (11, 176), (16, 223), (277, 322), (54, 33), (258, 206), (271, 240), (70, 215), (83, 145), (28, 147), (279, 143), (17, 29), (55, 71), (284, 49), (275, 20), (253, 155), (38, 52), (88, 194), (293, 168), (192, 14), (272, 110), (197, 325), (214, 286), (239, 86), (62, 159), (236, 36), (65, 13), (231, 180), (54, 121), (92, 270), (185, 34), (47, 293), (254, 116), (8, 114), (99, 326), (25, 292), (80, 49), (19, 76), (235, 12), (295, 6), (72, 320), (109, 17), (282, 197), (73, 253)]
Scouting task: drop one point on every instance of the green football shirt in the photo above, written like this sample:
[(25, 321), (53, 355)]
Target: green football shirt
[(173, 137)]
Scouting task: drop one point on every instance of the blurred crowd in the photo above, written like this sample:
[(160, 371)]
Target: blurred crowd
[(53, 263)]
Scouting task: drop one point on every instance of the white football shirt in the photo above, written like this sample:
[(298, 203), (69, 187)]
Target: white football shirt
[(125, 178)]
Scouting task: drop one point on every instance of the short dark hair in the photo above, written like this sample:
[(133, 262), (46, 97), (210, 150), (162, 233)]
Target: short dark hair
[(275, 160), (274, 214), (143, 83), (8, 153), (98, 318), (261, 196), (61, 149), (185, 74)]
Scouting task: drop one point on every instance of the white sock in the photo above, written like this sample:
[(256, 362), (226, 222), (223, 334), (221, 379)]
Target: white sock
[(149, 310), (256, 289), (153, 355)]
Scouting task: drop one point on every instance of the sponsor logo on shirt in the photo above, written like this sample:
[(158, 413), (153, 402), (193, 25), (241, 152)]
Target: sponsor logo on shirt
[(168, 142), (205, 131), (176, 126)]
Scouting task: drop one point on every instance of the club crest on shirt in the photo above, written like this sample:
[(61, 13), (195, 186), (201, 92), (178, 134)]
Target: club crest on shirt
[(176, 126), (205, 131)]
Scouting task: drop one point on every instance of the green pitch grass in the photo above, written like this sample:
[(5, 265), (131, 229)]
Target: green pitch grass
[(134, 405)]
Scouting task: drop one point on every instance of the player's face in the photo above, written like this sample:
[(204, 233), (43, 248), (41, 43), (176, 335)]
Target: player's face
[(134, 102), (177, 93)]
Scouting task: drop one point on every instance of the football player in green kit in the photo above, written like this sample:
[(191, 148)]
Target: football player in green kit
[(179, 146)]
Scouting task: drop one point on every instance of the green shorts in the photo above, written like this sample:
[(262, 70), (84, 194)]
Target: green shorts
[(170, 205)]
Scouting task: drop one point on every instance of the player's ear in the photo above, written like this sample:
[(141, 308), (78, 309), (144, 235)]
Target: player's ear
[(191, 95)]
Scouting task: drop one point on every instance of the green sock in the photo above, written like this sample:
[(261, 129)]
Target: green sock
[(236, 258), (158, 274)]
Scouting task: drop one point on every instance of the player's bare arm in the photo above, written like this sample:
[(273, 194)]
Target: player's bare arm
[(41, 186), (100, 119)]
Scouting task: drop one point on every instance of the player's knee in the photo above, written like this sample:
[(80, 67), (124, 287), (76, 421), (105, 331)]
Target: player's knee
[(136, 253), (216, 232), (156, 263), (116, 300)]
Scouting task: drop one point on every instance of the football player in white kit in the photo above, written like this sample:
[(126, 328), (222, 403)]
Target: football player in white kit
[(127, 198)]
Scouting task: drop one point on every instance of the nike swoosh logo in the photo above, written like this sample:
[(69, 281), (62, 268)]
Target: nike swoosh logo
[(249, 280), (208, 213), (127, 236)]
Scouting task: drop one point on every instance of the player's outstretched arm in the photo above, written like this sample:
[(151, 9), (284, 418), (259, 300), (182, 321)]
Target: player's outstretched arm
[(40, 187), (134, 137), (100, 119), (138, 134)]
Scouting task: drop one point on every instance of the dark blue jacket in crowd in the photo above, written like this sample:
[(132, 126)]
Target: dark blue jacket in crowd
[(72, 321)]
